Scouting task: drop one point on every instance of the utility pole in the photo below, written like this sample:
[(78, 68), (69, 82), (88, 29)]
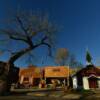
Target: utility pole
[(68, 76)]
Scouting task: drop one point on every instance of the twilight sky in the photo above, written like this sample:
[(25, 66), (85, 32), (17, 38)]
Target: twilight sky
[(79, 21)]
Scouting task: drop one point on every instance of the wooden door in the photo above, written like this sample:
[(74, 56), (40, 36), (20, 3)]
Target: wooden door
[(92, 82)]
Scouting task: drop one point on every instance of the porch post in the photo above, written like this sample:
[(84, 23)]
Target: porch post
[(45, 80), (31, 80), (64, 82), (21, 79)]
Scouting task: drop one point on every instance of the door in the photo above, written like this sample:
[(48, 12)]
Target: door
[(92, 82), (36, 81)]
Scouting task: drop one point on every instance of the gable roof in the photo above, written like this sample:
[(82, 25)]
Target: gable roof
[(88, 70)]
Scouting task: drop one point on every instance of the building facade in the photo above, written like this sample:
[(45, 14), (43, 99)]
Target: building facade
[(60, 74), (87, 78), (33, 75), (30, 76)]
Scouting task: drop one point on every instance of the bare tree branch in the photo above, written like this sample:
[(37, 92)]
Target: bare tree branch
[(12, 36), (25, 31), (28, 28), (26, 50)]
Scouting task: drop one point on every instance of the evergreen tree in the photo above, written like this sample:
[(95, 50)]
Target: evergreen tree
[(88, 57)]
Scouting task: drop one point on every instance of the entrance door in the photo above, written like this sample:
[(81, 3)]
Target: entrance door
[(92, 82), (36, 81)]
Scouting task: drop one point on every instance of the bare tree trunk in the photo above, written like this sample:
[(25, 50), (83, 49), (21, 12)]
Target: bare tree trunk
[(3, 87), (8, 69), (8, 75), (18, 55), (24, 51)]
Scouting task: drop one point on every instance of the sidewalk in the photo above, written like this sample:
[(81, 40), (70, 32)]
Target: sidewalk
[(56, 95), (36, 90)]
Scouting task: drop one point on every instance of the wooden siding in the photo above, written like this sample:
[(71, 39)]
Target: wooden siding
[(58, 71)]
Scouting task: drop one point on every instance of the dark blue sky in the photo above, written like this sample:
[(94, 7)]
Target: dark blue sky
[(79, 21)]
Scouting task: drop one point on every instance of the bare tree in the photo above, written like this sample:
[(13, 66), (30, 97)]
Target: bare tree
[(61, 56), (64, 57), (26, 28), (30, 30)]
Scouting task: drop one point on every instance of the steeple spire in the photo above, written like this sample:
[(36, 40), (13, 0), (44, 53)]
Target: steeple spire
[(88, 57)]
